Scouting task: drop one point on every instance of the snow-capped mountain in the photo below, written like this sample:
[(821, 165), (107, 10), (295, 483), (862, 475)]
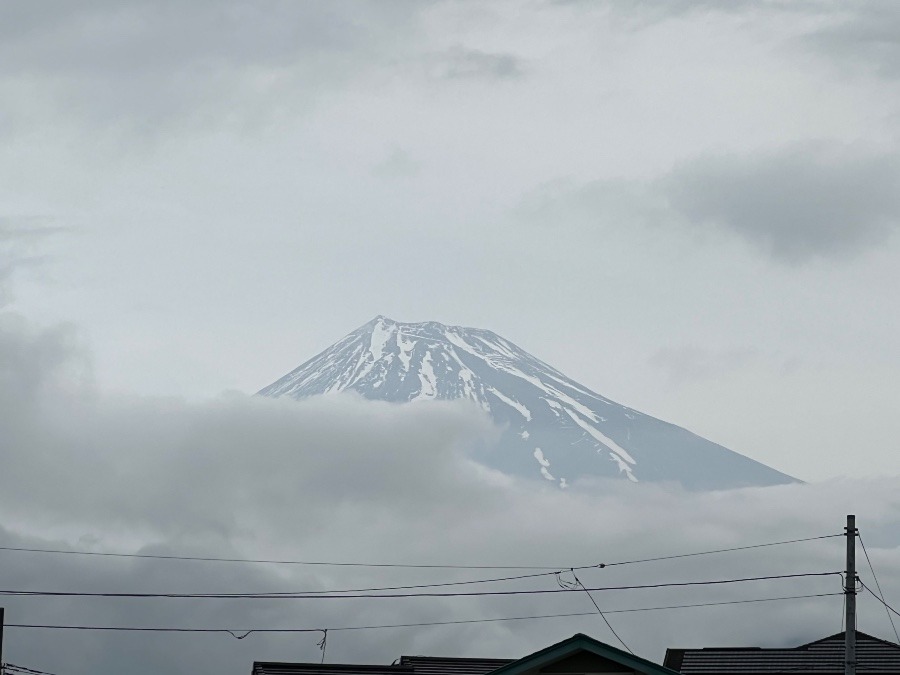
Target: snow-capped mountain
[(554, 428)]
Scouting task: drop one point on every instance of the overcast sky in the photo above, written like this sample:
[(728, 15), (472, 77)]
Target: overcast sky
[(690, 207)]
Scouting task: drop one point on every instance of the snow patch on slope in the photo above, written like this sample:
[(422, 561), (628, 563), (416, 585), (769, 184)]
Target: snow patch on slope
[(623, 467), (545, 468), (601, 437), (405, 348), (523, 411), (426, 377), (380, 336)]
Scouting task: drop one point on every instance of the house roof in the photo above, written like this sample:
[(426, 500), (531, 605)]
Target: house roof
[(432, 665), (439, 665), (576, 643), (821, 657), (407, 665)]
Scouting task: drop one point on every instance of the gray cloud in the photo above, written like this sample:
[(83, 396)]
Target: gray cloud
[(806, 201), (398, 164), (472, 64), (345, 479), (18, 236), (19, 228), (142, 64), (692, 362), (640, 14), (864, 35)]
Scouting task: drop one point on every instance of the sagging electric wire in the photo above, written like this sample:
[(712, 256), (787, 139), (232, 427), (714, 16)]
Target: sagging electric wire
[(12, 668), (718, 550), (347, 596), (879, 599), (600, 612), (878, 586), (152, 556), (546, 568), (442, 584), (242, 633)]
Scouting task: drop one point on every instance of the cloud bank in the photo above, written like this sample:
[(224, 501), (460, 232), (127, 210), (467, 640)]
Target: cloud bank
[(343, 479)]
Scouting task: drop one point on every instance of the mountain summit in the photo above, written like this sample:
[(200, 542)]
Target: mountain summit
[(554, 427)]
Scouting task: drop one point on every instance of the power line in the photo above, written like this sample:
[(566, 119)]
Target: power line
[(12, 668), (549, 569), (602, 615), (719, 550), (879, 599), (878, 586), (323, 596), (415, 586), (241, 633), (279, 562)]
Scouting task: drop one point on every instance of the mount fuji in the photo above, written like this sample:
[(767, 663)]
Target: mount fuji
[(554, 428)]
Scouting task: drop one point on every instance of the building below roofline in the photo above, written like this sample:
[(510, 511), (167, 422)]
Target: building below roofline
[(578, 654), (583, 655), (406, 665), (822, 657)]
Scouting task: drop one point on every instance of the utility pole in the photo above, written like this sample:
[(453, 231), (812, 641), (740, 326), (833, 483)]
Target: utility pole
[(1, 639), (850, 599)]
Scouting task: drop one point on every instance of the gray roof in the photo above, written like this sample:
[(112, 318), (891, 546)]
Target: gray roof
[(439, 665), (408, 665), (822, 657)]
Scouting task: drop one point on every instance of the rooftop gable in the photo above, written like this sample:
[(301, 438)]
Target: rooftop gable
[(580, 643), (577, 655)]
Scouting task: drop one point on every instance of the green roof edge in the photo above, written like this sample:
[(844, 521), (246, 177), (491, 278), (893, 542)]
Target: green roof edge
[(574, 643)]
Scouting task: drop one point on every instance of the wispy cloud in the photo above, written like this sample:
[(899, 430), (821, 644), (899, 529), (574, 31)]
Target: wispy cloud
[(692, 362), (18, 236), (460, 63), (397, 164)]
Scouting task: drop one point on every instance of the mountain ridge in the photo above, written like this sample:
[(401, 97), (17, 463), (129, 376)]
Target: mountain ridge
[(554, 427)]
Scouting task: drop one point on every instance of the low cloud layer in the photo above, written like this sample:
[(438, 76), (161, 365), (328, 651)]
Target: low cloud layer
[(342, 479)]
